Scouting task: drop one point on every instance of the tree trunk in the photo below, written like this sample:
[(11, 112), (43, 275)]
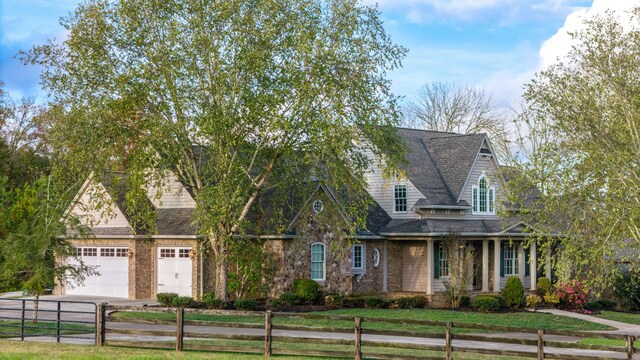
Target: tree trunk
[(221, 252)]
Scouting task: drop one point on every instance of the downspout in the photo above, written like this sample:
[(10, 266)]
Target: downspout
[(201, 269)]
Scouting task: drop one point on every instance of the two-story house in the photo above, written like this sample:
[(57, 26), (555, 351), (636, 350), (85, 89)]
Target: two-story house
[(451, 186)]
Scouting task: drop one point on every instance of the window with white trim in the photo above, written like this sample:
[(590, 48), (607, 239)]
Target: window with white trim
[(510, 254), (443, 258), (317, 261), (483, 197), (358, 259), (400, 198)]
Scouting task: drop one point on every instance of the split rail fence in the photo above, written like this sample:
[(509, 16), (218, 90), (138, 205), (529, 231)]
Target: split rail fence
[(258, 336)]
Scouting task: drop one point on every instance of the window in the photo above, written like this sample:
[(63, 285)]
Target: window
[(122, 252), (358, 259), (78, 251), (510, 260), (184, 253), (443, 260), (167, 253), (108, 252), (483, 197), (400, 198), (317, 261), (317, 206), (89, 252), (375, 257)]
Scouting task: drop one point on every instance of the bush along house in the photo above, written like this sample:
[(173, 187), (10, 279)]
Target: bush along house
[(450, 190)]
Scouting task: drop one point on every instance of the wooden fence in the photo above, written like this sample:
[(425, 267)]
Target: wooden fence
[(166, 336)]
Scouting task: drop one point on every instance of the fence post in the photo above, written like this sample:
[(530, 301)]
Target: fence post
[(22, 322), (358, 354), (540, 344), (630, 347), (448, 348), (100, 324), (58, 322), (179, 329), (267, 333)]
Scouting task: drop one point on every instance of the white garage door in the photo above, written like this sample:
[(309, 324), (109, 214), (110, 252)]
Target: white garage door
[(174, 270), (112, 265)]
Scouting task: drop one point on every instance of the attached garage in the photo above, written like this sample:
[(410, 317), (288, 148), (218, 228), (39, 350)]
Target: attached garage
[(175, 270), (414, 268), (112, 267)]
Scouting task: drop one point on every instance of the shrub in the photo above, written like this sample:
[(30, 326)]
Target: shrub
[(353, 301), (486, 303), (551, 299), (627, 290), (544, 284), (533, 301), (290, 298), (167, 299), (210, 302), (572, 295), (245, 304), (306, 289), (375, 302), (465, 301), (513, 292), (414, 302), (275, 303), (183, 301), (332, 299)]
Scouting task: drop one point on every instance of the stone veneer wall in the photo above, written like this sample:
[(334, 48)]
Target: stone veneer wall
[(394, 266)]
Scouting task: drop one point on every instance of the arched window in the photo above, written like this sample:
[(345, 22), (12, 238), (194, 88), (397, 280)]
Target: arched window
[(483, 196), (317, 261)]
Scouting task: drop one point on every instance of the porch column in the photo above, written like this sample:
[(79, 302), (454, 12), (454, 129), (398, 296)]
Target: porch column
[(485, 265), (430, 267), (521, 263), (496, 266), (547, 265), (533, 264)]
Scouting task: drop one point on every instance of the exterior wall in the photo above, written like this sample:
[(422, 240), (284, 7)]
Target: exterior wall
[(104, 217), (371, 280), (171, 194), (141, 275), (381, 190), (486, 164), (394, 266)]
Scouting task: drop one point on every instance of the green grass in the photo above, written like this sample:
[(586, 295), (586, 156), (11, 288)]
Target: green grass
[(629, 318), (607, 342), (526, 320), (41, 328)]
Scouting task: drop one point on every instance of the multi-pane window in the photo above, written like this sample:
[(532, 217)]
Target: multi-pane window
[(89, 252), (78, 251), (184, 253), (443, 260), (122, 252), (357, 259), (109, 252), (483, 197), (167, 253), (317, 261), (510, 256), (400, 198)]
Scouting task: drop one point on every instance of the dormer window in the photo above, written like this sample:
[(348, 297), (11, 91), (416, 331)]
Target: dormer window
[(483, 197), (400, 198)]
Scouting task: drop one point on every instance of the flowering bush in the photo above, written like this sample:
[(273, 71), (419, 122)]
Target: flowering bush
[(533, 301), (573, 294)]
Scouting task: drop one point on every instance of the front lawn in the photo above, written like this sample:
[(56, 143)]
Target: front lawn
[(11, 329), (629, 318), (527, 320)]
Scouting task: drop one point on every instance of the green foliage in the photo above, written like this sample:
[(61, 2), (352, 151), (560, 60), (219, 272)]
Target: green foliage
[(269, 92), (167, 299), (353, 301), (306, 289), (251, 269), (246, 304), (183, 302), (332, 299), (290, 298), (602, 304), (275, 303), (465, 301), (375, 302), (627, 290), (533, 301), (544, 284), (486, 303), (513, 292), (210, 301), (551, 299), (413, 302)]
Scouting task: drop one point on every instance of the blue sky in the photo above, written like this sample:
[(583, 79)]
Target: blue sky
[(496, 44)]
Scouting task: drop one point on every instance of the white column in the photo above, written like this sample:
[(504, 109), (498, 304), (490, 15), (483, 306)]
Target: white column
[(547, 265), (485, 265), (533, 265), (430, 266), (384, 268), (496, 265), (521, 263)]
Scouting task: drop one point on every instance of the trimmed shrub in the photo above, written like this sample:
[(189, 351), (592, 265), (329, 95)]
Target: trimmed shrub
[(375, 302), (533, 301), (246, 304), (210, 302), (551, 299), (167, 299), (486, 303), (544, 284), (275, 303), (332, 299), (465, 302), (183, 301), (306, 289), (513, 292), (353, 301), (414, 302), (290, 298)]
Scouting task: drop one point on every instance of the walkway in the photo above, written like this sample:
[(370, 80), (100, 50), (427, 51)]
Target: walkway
[(622, 328)]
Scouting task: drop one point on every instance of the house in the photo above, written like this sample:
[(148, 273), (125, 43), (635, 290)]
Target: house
[(451, 187)]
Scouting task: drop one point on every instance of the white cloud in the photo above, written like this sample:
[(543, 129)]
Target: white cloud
[(558, 45)]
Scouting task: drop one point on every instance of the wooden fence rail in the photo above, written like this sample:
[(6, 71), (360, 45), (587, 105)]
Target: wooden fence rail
[(198, 331)]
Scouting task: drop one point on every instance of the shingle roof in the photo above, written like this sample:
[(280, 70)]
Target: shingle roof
[(425, 226)]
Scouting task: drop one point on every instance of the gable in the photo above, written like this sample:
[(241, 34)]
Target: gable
[(170, 194), (96, 208), (320, 207)]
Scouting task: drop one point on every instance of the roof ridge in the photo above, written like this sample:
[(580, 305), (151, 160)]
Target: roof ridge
[(457, 135), (427, 130), (435, 165)]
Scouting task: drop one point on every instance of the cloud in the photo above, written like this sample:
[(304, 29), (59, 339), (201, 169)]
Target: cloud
[(558, 45)]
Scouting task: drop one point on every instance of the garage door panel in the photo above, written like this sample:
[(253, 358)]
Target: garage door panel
[(112, 267), (175, 271)]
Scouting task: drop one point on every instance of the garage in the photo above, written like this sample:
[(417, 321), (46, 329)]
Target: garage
[(112, 266), (175, 270)]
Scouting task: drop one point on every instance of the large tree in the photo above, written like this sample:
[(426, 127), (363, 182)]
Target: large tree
[(232, 96), (584, 115)]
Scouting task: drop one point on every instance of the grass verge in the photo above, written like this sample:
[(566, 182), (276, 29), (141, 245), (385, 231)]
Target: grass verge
[(629, 318), (10, 329)]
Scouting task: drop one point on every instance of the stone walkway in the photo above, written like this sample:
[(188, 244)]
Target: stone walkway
[(622, 328)]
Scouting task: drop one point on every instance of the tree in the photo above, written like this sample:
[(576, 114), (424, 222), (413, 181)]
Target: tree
[(461, 109), (234, 97), (459, 255), (589, 102)]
